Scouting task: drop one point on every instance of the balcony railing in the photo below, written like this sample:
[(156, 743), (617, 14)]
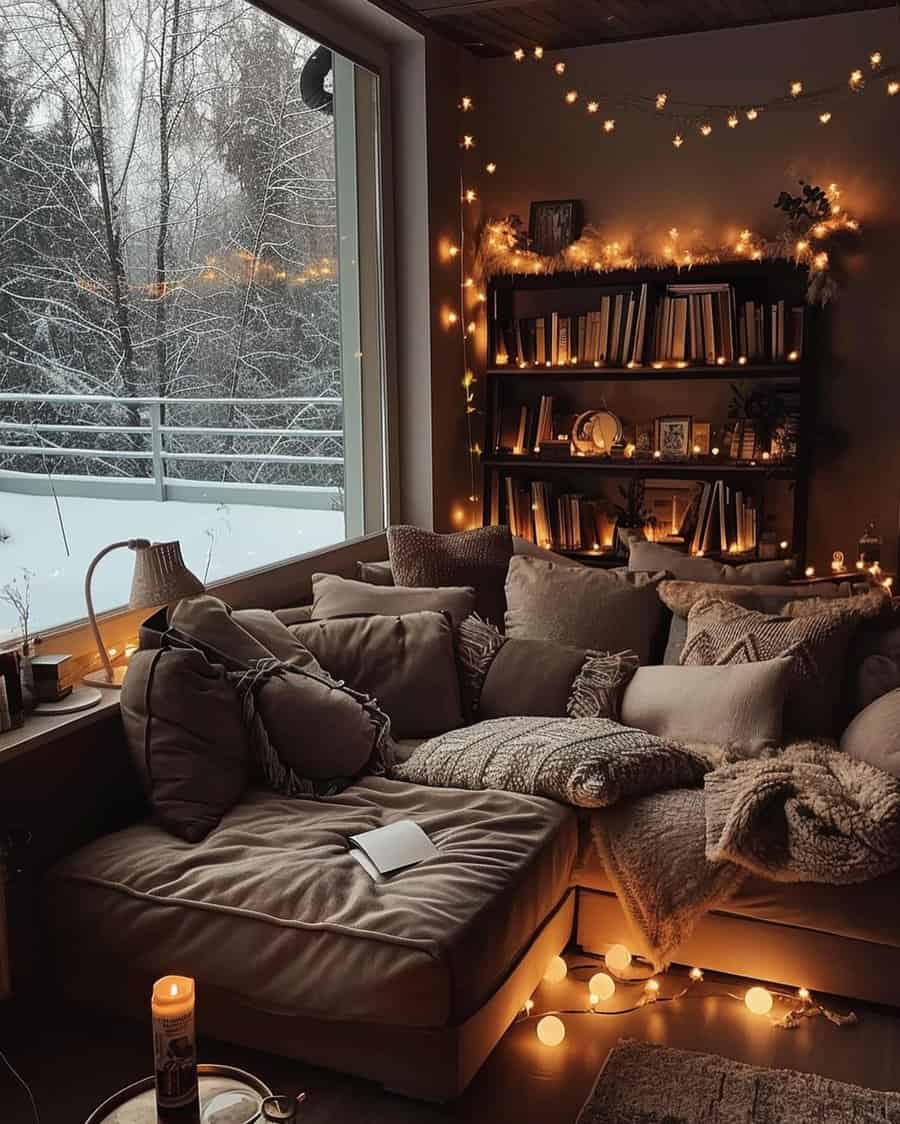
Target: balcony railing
[(155, 438)]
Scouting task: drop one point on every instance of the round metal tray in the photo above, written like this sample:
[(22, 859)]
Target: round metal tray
[(136, 1104)]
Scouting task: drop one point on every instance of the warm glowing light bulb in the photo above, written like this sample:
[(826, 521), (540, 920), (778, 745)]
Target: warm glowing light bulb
[(820, 261), (453, 251), (783, 545), (661, 100), (678, 140), (518, 54), (490, 167), (602, 987), (733, 120), (657, 454), (593, 106), (875, 59), (470, 195), (706, 128), (856, 81), (696, 975), (556, 970), (468, 141), (742, 360), (810, 571), (803, 994), (759, 1000), (720, 360), (802, 246), (796, 89), (825, 117), (715, 450), (550, 1030), (560, 68), (618, 957), (652, 987), (696, 450), (609, 125), (529, 1006), (538, 52), (572, 96), (465, 104), (452, 317), (793, 356), (752, 114), (893, 88)]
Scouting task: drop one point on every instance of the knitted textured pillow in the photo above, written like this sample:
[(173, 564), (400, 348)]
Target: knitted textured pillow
[(723, 633), (476, 558), (501, 676), (589, 762)]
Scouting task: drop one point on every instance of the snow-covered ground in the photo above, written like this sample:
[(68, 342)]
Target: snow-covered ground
[(217, 541)]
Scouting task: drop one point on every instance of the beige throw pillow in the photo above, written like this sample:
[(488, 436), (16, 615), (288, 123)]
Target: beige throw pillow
[(874, 734), (737, 708), (722, 633), (343, 597), (584, 607), (653, 556)]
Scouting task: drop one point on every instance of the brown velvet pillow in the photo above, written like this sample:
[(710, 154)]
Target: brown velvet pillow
[(343, 597), (309, 733), (722, 633), (182, 721), (476, 558), (506, 677), (406, 662)]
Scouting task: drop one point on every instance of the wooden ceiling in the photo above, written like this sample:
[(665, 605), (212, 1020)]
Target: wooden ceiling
[(498, 27)]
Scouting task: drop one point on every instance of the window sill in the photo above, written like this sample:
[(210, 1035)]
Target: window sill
[(42, 729)]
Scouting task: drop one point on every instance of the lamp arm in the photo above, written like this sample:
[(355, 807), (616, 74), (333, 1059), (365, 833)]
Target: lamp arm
[(92, 617)]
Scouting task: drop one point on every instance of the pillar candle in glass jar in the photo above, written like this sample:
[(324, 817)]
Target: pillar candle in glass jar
[(175, 1049)]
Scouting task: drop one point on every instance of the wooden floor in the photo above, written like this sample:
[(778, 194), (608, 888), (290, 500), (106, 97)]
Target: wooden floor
[(73, 1061)]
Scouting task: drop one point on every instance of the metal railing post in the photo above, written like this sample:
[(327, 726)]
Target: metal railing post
[(156, 447)]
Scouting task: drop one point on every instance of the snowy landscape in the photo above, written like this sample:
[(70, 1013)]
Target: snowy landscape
[(217, 541), (168, 285)]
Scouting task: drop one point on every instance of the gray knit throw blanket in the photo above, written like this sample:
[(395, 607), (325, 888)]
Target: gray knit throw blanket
[(811, 814)]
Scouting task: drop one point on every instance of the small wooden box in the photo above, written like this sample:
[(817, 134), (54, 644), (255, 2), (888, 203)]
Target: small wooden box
[(53, 677)]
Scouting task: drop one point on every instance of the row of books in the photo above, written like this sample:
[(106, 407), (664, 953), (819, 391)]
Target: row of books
[(694, 323), (527, 429), (567, 521), (612, 335), (720, 519)]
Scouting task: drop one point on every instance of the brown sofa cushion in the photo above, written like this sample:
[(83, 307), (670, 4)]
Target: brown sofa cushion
[(273, 908), (405, 662), (599, 610), (343, 597), (503, 676), (722, 633), (874, 734), (476, 558), (309, 733), (650, 557), (182, 721), (375, 573), (736, 708)]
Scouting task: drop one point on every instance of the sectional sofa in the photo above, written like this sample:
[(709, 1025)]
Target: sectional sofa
[(410, 982)]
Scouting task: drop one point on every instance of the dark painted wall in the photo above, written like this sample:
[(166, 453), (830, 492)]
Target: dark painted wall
[(635, 182)]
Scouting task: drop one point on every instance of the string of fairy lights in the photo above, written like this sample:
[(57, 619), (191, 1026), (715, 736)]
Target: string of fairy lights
[(499, 248), (692, 118), (618, 971)]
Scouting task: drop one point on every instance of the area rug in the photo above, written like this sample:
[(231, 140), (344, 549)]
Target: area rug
[(644, 1084)]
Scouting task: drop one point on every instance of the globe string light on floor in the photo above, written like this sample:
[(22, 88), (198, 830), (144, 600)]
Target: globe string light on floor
[(602, 985)]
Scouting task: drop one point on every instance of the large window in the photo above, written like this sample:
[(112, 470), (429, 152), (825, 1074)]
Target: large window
[(187, 188)]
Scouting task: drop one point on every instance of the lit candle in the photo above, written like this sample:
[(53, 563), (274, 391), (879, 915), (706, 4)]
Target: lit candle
[(175, 1046)]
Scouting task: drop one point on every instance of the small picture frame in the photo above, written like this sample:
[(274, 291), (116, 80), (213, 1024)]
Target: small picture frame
[(700, 438), (674, 437), (643, 438), (554, 224)]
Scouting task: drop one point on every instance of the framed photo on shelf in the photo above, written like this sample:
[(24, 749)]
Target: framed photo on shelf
[(700, 438), (674, 440), (554, 224), (643, 438)]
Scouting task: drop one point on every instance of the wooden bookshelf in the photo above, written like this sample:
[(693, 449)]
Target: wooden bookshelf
[(641, 390)]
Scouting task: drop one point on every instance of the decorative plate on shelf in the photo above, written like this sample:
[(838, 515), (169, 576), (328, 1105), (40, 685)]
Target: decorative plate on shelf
[(595, 432)]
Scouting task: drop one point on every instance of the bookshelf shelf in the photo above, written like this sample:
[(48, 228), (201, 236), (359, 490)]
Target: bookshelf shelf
[(756, 309), (675, 470), (647, 373)]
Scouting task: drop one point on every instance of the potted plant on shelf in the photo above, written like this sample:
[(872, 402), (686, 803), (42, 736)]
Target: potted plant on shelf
[(632, 518), (17, 594)]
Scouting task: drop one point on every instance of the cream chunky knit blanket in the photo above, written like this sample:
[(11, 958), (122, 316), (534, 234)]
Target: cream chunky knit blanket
[(811, 814)]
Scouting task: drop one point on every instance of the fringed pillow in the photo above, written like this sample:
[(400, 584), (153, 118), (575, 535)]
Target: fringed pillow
[(502, 676)]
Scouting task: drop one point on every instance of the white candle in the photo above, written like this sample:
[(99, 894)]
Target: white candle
[(174, 1045)]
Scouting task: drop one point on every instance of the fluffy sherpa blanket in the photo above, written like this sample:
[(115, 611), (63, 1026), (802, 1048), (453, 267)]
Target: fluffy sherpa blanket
[(812, 814)]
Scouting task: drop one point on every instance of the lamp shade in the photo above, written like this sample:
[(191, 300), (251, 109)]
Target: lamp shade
[(160, 576)]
